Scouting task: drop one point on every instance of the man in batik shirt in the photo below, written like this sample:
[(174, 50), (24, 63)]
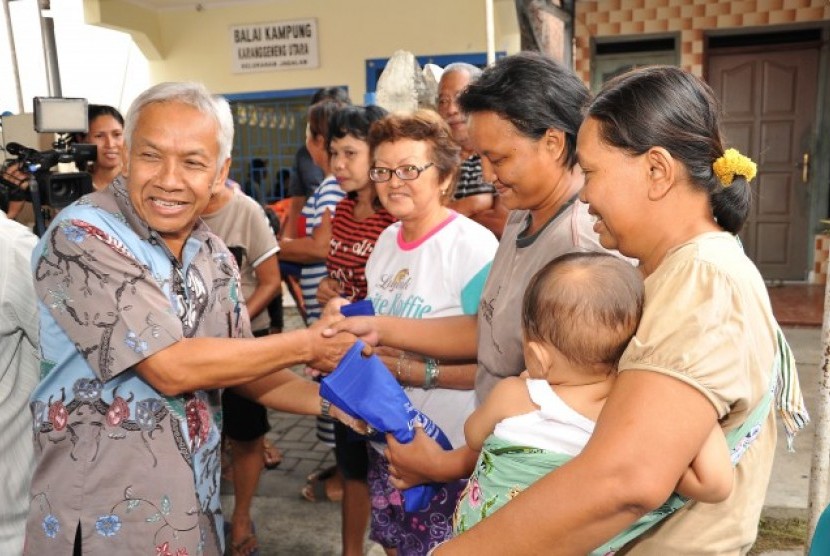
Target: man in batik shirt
[(141, 324)]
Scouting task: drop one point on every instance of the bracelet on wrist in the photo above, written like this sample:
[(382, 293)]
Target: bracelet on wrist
[(399, 367), (403, 369), (431, 372), (325, 407)]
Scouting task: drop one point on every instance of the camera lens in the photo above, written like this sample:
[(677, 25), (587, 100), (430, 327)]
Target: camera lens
[(61, 189), (64, 189)]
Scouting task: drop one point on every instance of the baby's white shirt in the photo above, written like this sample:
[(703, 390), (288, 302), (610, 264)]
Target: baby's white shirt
[(555, 426)]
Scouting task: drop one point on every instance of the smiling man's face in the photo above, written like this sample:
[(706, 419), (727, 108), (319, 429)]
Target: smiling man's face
[(451, 85), (173, 168)]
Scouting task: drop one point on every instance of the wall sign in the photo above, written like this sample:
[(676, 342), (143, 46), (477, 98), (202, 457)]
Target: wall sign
[(280, 45)]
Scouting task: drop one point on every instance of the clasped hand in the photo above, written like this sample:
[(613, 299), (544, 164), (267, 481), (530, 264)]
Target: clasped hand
[(410, 464)]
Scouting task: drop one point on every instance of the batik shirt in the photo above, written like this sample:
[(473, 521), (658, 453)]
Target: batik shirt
[(139, 470)]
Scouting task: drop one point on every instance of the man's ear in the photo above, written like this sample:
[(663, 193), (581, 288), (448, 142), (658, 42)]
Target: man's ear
[(662, 172), (222, 175), (125, 161), (554, 140)]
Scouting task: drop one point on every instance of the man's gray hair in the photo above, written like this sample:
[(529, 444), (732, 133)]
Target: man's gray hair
[(192, 94), (473, 71)]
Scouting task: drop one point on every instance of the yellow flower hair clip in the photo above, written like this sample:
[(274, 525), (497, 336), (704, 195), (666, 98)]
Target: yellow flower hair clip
[(732, 164)]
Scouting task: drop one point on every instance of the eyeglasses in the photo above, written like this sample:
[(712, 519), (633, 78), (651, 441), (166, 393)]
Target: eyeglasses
[(407, 172)]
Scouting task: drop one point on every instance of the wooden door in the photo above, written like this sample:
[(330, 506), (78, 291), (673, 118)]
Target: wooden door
[(769, 102)]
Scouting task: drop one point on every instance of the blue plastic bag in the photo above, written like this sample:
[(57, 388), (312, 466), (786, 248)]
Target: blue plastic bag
[(359, 308), (363, 307), (364, 388)]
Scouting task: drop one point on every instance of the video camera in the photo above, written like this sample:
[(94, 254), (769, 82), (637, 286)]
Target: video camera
[(56, 189), (52, 187)]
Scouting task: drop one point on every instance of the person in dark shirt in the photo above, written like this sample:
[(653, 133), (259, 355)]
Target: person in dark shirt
[(474, 197)]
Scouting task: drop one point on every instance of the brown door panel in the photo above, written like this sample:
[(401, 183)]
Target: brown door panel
[(769, 103)]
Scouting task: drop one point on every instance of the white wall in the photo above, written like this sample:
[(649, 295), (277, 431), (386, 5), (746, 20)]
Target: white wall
[(100, 64), (103, 63), (191, 44)]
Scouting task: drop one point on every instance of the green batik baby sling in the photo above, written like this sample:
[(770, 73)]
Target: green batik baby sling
[(503, 470)]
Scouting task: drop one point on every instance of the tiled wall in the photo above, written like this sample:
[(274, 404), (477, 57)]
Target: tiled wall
[(818, 275), (611, 18)]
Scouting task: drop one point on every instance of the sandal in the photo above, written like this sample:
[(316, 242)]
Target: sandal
[(324, 485), (271, 455), (322, 474), (248, 546)]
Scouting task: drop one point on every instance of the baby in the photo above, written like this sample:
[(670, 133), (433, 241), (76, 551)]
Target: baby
[(579, 313)]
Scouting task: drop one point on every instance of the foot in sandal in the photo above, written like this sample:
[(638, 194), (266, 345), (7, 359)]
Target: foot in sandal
[(271, 455), (323, 485), (244, 545)]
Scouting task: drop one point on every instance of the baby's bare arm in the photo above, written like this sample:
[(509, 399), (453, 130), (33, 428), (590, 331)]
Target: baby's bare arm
[(710, 476), (507, 399)]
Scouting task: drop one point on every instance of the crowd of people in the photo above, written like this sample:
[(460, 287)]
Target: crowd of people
[(554, 280)]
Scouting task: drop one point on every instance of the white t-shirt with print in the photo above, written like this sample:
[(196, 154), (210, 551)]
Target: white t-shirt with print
[(440, 275)]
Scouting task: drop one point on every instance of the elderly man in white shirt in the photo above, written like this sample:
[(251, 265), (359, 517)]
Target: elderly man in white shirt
[(18, 377)]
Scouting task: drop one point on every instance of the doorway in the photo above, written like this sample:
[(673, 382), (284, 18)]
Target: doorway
[(612, 57), (768, 95)]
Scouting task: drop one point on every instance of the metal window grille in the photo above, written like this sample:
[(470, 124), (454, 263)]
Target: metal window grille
[(269, 130)]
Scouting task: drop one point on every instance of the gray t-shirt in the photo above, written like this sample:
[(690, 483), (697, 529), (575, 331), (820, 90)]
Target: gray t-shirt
[(244, 228), (518, 258)]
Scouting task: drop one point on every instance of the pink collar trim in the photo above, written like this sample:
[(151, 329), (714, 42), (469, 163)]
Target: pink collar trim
[(409, 245)]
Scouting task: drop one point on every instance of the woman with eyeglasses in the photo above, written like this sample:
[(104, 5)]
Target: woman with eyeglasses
[(432, 263), (524, 113)]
